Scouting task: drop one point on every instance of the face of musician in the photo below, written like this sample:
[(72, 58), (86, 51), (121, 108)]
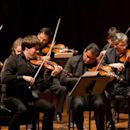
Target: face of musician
[(89, 57), (30, 46), (30, 53), (121, 47), (16, 47), (43, 38), (120, 43), (110, 42), (18, 50)]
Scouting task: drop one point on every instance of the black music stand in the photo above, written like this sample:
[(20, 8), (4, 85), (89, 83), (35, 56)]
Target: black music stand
[(90, 85)]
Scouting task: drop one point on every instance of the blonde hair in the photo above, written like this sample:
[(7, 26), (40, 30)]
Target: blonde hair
[(120, 37), (17, 42)]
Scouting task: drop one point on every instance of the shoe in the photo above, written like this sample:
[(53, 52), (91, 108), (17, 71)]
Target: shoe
[(110, 126), (58, 117)]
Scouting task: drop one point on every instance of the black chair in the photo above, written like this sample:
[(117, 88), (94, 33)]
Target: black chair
[(31, 117), (119, 105)]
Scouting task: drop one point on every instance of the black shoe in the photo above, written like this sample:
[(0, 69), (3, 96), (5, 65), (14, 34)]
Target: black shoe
[(58, 117), (110, 126)]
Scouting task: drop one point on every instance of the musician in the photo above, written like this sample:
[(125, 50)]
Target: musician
[(18, 75), (78, 65), (110, 37), (60, 91), (119, 86), (45, 36), (109, 41)]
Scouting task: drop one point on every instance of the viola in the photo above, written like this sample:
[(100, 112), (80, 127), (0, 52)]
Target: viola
[(126, 57), (103, 71), (106, 71)]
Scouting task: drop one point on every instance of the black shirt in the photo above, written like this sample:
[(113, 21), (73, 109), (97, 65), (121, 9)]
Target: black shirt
[(12, 76)]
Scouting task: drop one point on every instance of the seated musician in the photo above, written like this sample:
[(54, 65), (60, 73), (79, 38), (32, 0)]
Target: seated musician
[(78, 65), (18, 75), (60, 91), (121, 85), (109, 41)]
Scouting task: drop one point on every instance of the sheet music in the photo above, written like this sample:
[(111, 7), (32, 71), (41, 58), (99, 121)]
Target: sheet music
[(90, 74), (63, 55), (89, 84)]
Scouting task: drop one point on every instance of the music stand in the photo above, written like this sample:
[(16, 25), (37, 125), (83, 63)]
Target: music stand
[(90, 85)]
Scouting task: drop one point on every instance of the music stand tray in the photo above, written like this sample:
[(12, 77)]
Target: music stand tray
[(90, 83)]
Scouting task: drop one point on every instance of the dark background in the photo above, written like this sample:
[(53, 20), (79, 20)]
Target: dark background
[(82, 21)]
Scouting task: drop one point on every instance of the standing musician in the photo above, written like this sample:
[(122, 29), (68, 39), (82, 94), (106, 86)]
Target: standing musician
[(45, 36), (18, 75), (113, 58), (78, 65)]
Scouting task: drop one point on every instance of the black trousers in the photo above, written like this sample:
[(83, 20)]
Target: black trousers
[(80, 104), (60, 92), (113, 90), (19, 108)]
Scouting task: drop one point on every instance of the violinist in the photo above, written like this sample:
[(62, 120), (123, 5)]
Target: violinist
[(15, 49), (45, 36), (109, 41), (78, 65), (60, 91), (118, 87), (18, 75), (110, 37)]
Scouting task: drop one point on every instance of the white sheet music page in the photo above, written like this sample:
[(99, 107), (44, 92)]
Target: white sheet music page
[(90, 73), (63, 55)]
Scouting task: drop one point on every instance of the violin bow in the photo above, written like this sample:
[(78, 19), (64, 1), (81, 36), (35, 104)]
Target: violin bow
[(53, 40), (1, 27), (102, 58), (49, 52), (127, 30)]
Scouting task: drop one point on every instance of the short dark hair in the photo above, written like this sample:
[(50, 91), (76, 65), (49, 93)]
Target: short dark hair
[(94, 48), (30, 41), (112, 32), (46, 31)]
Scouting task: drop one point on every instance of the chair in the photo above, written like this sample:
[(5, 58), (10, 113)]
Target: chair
[(30, 117), (48, 96), (119, 105)]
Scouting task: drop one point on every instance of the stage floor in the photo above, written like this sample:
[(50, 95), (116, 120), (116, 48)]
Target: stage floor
[(64, 124)]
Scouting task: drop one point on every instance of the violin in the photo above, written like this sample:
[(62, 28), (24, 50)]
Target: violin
[(48, 65), (126, 57), (58, 48)]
